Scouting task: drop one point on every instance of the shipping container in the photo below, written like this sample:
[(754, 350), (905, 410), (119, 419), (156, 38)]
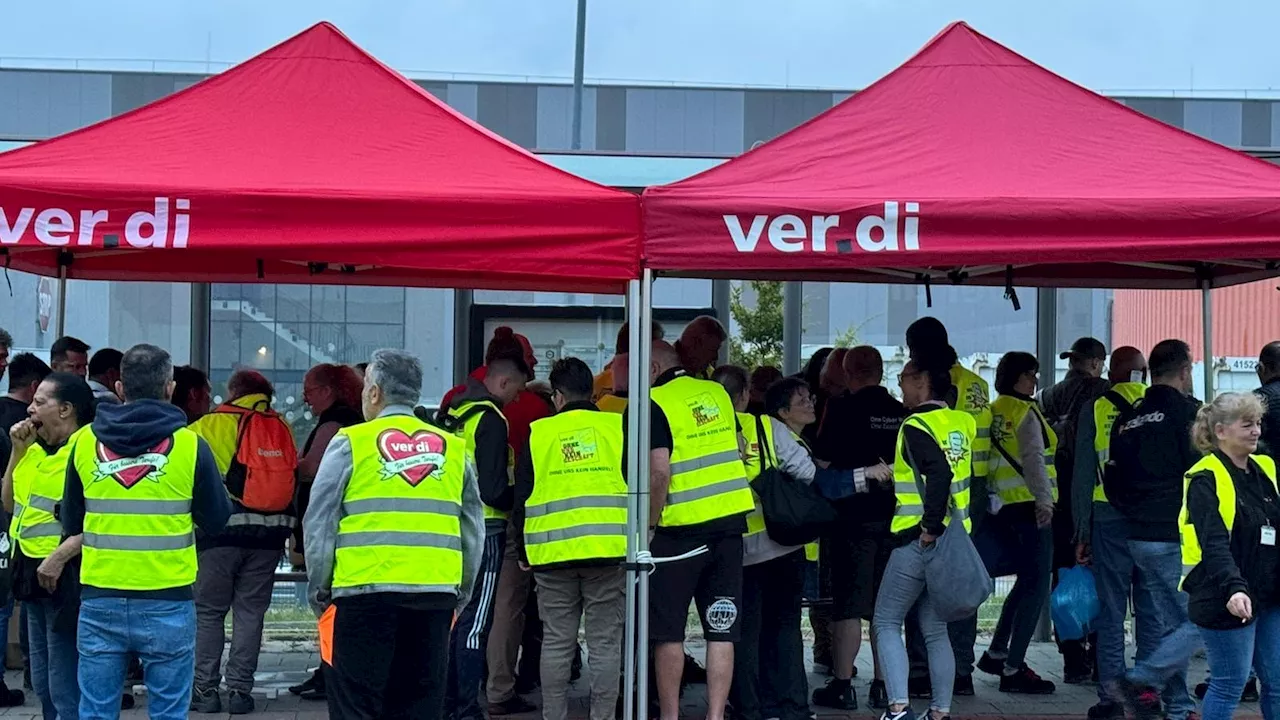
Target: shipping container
[(1245, 317)]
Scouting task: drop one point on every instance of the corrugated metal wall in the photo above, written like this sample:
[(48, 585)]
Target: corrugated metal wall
[(1245, 317)]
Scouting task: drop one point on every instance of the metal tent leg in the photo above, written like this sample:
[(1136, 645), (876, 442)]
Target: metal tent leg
[(636, 660), (1206, 313), (792, 326), (61, 324)]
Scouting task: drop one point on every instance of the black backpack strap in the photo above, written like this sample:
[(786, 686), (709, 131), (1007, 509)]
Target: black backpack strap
[(1017, 466), (1118, 400), (766, 449)]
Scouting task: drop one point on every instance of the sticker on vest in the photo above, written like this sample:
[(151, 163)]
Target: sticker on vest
[(413, 458), (1268, 536), (129, 471), (704, 408), (722, 614), (957, 449), (578, 446)]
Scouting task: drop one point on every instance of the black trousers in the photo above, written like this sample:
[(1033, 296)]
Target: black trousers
[(768, 663), (389, 661)]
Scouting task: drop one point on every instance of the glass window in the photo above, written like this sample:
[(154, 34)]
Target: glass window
[(1217, 120), (375, 305)]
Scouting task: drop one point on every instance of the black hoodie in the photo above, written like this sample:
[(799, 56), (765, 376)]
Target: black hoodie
[(492, 452), (131, 429)]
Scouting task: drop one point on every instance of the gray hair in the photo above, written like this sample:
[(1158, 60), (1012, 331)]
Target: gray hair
[(145, 373), (6, 340), (398, 373)]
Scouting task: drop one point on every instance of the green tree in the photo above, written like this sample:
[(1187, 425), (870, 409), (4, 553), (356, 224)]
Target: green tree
[(758, 340)]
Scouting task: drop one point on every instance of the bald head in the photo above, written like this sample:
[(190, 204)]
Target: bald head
[(621, 369), (664, 358), (1125, 361), (699, 344), (863, 367)]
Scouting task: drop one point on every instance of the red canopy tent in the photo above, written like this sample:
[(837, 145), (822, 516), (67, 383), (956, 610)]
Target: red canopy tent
[(312, 162), (964, 160)]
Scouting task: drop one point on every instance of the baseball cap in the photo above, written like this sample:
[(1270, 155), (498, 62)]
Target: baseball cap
[(1086, 347)]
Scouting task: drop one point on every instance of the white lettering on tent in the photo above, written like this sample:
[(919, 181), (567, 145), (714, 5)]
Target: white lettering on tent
[(54, 227), (821, 224), (911, 226), (11, 234), (787, 233), (888, 226), (745, 242), (181, 222), (157, 221), (89, 220), (58, 227), (874, 232)]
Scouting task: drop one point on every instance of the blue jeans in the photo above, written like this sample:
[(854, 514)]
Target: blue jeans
[(902, 586), (1164, 653), (469, 638), (162, 633), (1232, 655), (54, 662)]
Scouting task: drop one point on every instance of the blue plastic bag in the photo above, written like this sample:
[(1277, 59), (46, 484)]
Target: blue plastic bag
[(1074, 605)]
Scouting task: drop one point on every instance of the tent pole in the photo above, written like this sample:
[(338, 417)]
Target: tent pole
[(1047, 353), (792, 326), (633, 484), (642, 353), (1206, 314), (62, 299), (720, 294)]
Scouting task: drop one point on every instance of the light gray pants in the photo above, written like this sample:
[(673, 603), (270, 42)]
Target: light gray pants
[(238, 580), (902, 586), (595, 597)]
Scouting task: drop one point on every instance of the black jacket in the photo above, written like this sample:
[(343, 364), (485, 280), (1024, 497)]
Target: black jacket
[(1151, 452), (1269, 444), (859, 430), (492, 451), (1235, 562)]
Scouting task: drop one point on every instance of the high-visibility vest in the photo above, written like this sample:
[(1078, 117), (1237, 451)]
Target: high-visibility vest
[(612, 403), (578, 508), (708, 479), (1226, 490), (138, 532), (473, 411), (954, 431), (752, 461), (38, 482), (973, 397), (1105, 413), (1007, 415), (401, 511)]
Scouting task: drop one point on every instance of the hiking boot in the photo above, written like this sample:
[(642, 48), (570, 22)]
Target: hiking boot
[(1106, 710), (920, 688), (206, 700), (515, 706), (878, 696), (1026, 682), (963, 686), (838, 694), (1142, 702), (1250, 694), (991, 665), (239, 702)]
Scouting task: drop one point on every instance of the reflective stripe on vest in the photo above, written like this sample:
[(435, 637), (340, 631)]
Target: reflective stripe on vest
[(400, 515), (1007, 416), (39, 478), (973, 397), (954, 431), (708, 479), (138, 532), (1105, 413), (468, 432), (578, 508), (252, 519), (1225, 488)]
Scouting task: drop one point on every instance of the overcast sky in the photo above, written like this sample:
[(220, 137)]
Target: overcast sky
[(1109, 45)]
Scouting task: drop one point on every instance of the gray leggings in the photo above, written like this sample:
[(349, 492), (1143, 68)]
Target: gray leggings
[(902, 586)]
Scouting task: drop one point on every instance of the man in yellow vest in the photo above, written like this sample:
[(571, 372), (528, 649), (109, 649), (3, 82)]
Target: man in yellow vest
[(606, 382), (615, 401), (393, 538), (476, 416), (138, 485), (699, 498), (699, 346), (569, 525)]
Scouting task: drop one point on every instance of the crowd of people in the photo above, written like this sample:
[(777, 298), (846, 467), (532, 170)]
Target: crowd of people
[(456, 557)]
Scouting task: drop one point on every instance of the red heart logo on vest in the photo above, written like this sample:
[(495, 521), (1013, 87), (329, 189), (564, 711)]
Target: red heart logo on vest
[(128, 477), (397, 447)]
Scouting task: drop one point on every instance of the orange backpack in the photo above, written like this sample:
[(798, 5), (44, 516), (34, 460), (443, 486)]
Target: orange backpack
[(262, 475)]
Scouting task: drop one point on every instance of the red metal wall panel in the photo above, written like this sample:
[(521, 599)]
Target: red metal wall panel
[(1245, 317)]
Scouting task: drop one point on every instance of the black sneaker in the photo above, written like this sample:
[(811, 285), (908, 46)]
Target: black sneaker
[(1142, 702), (1076, 674), (903, 714), (206, 700), (1250, 694), (515, 706), (990, 665), (127, 702), (11, 698), (1026, 682), (920, 688), (239, 702), (1106, 710), (838, 694), (963, 686), (1203, 689), (878, 696)]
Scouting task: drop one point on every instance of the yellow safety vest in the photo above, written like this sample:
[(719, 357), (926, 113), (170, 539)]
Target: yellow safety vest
[(753, 463), (400, 513), (138, 532), (612, 403), (1105, 413), (708, 479), (578, 509), (972, 397), (468, 432), (38, 482), (1226, 490), (954, 431), (1007, 415)]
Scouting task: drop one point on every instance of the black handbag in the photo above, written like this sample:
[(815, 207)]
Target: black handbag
[(794, 512)]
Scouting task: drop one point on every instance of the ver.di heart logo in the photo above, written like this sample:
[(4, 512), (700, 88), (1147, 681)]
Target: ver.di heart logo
[(413, 457), (129, 471)]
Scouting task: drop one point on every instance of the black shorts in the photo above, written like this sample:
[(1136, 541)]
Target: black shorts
[(857, 562), (713, 579)]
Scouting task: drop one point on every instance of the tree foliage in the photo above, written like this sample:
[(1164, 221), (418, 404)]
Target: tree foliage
[(758, 340)]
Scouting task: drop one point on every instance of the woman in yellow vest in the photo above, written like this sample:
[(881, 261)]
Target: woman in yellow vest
[(931, 472), (1230, 557), (33, 484), (1016, 537)]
